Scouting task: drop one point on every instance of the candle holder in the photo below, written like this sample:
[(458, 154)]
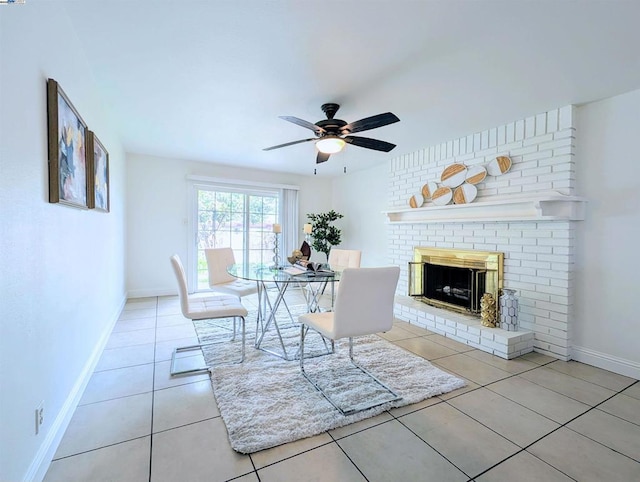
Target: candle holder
[(276, 252), (307, 233)]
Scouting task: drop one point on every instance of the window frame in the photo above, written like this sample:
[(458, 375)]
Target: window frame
[(197, 183)]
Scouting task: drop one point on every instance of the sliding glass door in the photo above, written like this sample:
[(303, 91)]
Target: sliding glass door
[(238, 218)]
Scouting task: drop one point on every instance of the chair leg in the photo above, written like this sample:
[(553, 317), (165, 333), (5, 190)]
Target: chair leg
[(233, 338), (174, 372), (303, 332), (244, 338), (395, 396), (206, 368), (351, 411)]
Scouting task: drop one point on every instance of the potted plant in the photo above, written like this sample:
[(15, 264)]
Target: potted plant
[(324, 233)]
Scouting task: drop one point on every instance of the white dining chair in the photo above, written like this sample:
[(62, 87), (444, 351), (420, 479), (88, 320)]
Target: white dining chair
[(339, 260), (363, 306), (204, 306), (220, 281), (218, 260)]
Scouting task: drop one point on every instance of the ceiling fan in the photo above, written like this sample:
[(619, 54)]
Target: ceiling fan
[(332, 134)]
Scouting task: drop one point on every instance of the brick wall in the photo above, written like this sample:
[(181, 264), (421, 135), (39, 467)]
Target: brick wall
[(539, 256)]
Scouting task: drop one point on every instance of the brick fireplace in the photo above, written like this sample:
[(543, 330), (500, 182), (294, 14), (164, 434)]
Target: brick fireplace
[(528, 214)]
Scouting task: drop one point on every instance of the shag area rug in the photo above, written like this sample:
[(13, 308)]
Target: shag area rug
[(266, 401)]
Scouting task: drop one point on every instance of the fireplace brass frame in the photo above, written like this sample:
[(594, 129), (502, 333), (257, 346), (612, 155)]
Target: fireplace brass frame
[(490, 261)]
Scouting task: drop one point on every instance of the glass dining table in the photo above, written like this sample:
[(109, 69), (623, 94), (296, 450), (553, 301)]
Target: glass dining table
[(272, 286)]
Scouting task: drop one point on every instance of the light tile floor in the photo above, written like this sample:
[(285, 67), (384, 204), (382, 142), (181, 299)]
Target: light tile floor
[(533, 418)]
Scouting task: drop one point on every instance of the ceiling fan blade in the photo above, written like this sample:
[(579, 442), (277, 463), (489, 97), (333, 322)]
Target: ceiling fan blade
[(369, 143), (288, 144), (322, 157), (370, 123), (304, 123)]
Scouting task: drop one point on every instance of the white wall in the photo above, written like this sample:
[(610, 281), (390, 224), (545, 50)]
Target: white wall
[(607, 262), (362, 196), (158, 208), (62, 269)]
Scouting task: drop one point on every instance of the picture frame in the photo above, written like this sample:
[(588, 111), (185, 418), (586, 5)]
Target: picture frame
[(98, 169), (67, 131)]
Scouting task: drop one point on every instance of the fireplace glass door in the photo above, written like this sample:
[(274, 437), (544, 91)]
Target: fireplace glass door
[(455, 279), (456, 286)]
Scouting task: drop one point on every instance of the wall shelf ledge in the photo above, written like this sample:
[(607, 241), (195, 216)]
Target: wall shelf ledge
[(538, 206)]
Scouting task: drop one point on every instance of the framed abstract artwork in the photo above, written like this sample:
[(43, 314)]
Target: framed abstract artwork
[(98, 169), (68, 180)]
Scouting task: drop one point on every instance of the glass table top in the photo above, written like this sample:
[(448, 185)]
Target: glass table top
[(286, 274)]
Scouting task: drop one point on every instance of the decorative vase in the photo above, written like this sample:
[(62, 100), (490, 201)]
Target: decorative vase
[(488, 310), (509, 310)]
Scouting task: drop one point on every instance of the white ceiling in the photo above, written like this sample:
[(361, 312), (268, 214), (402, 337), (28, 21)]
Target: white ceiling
[(207, 79)]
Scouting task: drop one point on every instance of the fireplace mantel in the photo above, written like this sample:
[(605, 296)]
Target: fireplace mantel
[(540, 206)]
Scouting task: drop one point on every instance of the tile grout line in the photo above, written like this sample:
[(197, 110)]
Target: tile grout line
[(489, 428), (560, 426), (524, 449), (564, 425), (335, 440), (431, 446), (394, 418), (153, 388)]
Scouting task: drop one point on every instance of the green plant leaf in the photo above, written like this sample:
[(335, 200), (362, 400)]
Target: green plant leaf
[(324, 234)]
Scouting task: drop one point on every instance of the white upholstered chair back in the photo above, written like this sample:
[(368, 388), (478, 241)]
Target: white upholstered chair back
[(218, 259), (182, 284), (198, 307), (364, 303), (339, 259)]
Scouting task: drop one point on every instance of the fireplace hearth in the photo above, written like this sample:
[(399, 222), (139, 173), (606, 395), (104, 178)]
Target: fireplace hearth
[(455, 279)]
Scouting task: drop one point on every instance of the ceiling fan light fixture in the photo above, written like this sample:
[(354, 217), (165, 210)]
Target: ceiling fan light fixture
[(330, 144)]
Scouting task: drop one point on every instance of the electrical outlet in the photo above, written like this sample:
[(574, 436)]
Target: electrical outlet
[(39, 416)]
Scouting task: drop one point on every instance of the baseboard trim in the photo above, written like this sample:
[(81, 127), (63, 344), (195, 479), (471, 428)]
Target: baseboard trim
[(614, 364), (41, 462), (149, 293)]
